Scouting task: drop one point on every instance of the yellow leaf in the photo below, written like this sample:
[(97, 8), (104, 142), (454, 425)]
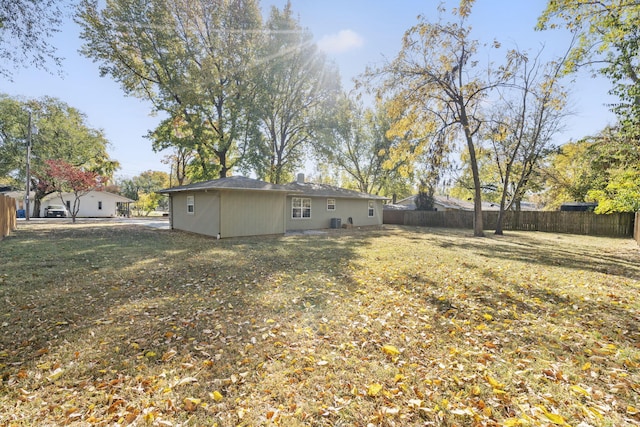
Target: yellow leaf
[(374, 389), (217, 396), (580, 390), (554, 418), (512, 422), (586, 366), (632, 411), (390, 350), (487, 316), (596, 412), (494, 383), (150, 354)]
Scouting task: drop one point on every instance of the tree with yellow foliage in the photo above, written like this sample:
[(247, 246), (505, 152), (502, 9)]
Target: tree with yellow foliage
[(436, 88)]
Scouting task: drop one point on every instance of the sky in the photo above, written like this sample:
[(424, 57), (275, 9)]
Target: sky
[(352, 33)]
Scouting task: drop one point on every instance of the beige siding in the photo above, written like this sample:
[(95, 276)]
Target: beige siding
[(357, 209), (206, 216), (250, 213)]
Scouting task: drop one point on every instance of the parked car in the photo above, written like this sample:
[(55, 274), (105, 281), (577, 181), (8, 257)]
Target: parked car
[(53, 211)]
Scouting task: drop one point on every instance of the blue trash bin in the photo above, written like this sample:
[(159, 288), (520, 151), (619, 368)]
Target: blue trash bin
[(20, 213)]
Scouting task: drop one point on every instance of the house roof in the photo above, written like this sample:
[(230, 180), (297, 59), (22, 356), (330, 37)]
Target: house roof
[(452, 203), (325, 190), (228, 183), (244, 183)]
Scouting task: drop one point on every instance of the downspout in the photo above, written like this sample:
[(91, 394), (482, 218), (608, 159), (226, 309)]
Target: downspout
[(170, 211)]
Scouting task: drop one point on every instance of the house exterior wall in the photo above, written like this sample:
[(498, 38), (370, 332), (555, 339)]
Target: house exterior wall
[(357, 209), (205, 218), (251, 213), (89, 204)]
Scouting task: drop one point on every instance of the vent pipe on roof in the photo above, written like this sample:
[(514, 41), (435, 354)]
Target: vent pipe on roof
[(300, 179)]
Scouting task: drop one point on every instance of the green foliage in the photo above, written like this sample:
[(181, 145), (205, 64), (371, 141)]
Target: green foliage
[(147, 203), (602, 168), (621, 194), (147, 182), (25, 29), (295, 89), (166, 53), (608, 37), (59, 132), (357, 143)]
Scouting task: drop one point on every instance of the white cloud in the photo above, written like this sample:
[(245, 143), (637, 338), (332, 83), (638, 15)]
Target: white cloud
[(343, 41)]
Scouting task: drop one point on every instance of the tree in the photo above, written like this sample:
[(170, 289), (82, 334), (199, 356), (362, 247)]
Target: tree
[(25, 27), (528, 114), (621, 194), (608, 38), (357, 144), (296, 88), (148, 202), (142, 188), (193, 59), (62, 177), (60, 132), (436, 88), (602, 168)]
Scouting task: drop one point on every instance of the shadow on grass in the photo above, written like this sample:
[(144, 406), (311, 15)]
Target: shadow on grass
[(139, 286), (519, 247)]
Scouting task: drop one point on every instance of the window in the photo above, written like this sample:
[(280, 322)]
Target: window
[(99, 205), (191, 205), (300, 208), (371, 208), (331, 204)]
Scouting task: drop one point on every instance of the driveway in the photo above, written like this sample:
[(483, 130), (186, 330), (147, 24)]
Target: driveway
[(160, 223)]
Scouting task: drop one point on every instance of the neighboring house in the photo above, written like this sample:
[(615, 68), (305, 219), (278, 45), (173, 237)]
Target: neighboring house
[(239, 206), (94, 204), (20, 202), (447, 203)]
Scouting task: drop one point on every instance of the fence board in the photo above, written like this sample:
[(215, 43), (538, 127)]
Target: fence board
[(7, 215), (589, 223), (636, 230)]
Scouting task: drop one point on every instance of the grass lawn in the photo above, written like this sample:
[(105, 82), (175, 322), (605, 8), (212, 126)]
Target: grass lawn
[(113, 324)]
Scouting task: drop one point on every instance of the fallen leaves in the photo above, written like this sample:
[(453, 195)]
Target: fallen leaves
[(409, 328)]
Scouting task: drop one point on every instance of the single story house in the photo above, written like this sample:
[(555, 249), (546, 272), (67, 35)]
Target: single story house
[(448, 203), (239, 206), (94, 204)]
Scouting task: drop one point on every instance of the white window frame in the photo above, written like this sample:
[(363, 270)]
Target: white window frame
[(372, 209), (298, 204), (191, 205), (331, 204)]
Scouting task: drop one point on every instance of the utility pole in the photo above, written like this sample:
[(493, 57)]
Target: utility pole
[(28, 170)]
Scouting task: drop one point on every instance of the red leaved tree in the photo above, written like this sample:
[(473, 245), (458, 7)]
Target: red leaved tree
[(62, 177)]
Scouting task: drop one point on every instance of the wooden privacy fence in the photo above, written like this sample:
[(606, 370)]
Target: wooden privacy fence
[(7, 215), (613, 225)]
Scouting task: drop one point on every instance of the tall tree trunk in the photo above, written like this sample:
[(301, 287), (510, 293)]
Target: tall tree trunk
[(478, 226)]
